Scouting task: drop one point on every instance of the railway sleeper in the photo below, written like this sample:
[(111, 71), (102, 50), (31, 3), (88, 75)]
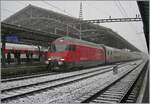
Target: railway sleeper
[(131, 98), (118, 90), (126, 84), (111, 96), (115, 94), (133, 95), (107, 99), (120, 85), (102, 101), (129, 101)]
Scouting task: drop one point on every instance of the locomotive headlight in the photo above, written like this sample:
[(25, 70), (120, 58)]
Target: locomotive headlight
[(62, 59), (49, 59)]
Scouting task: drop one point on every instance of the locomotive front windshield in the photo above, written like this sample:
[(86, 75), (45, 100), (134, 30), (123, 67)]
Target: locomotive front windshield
[(59, 47)]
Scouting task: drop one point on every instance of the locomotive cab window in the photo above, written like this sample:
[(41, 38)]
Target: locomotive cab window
[(59, 47), (72, 47)]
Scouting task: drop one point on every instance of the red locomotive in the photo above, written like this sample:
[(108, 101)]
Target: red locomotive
[(66, 53)]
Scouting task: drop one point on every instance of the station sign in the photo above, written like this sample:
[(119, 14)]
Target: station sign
[(12, 38)]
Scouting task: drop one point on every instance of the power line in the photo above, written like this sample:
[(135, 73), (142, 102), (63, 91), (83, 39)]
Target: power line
[(98, 9), (119, 9), (19, 2), (122, 8), (13, 11), (8, 10), (56, 7)]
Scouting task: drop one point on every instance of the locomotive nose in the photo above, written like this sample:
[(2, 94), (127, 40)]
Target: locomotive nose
[(56, 62), (56, 58)]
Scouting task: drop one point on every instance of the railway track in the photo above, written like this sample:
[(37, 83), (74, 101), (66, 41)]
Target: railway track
[(36, 87), (40, 75), (27, 77), (120, 91), (133, 93), (80, 92), (43, 79), (31, 89), (17, 83), (19, 91)]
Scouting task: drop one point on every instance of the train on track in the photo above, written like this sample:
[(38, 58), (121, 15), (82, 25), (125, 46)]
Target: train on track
[(24, 51), (67, 53)]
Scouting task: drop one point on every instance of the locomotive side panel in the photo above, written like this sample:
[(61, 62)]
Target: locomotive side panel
[(89, 56)]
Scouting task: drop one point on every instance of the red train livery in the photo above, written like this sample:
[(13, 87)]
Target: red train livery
[(23, 50), (66, 53)]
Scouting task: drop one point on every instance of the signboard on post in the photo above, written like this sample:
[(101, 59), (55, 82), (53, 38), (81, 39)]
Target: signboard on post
[(12, 38)]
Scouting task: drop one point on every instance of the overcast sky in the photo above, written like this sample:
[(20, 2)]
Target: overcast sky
[(131, 31)]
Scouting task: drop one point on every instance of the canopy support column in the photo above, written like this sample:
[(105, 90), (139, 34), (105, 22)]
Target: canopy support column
[(3, 51), (39, 52)]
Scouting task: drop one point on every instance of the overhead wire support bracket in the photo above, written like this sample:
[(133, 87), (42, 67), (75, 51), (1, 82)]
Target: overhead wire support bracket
[(114, 20)]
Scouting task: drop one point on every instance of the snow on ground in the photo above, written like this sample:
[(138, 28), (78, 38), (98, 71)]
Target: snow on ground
[(12, 84), (71, 92), (74, 91)]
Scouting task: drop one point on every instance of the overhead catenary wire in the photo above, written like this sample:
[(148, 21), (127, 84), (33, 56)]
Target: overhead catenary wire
[(20, 2), (8, 10), (132, 12), (67, 25), (97, 9), (119, 8), (123, 9), (123, 12), (62, 10)]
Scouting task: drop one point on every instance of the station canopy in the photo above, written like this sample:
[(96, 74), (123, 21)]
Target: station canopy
[(144, 10), (38, 26)]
